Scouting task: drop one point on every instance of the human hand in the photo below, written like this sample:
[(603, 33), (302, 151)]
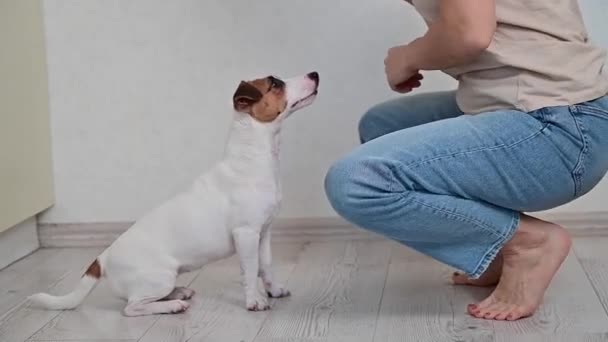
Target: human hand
[(410, 84), (400, 76)]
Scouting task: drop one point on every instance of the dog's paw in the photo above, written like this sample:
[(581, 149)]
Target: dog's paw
[(181, 293), (257, 302), (178, 306), (277, 291)]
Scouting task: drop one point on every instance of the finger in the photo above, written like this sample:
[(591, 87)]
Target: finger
[(404, 90), (404, 85), (391, 85), (416, 77), (407, 87), (409, 84), (412, 81)]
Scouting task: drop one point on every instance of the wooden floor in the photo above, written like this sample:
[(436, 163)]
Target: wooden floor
[(342, 291)]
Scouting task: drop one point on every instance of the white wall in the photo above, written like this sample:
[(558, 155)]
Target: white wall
[(140, 92)]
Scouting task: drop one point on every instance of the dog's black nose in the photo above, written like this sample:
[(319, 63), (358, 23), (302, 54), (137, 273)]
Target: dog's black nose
[(314, 76)]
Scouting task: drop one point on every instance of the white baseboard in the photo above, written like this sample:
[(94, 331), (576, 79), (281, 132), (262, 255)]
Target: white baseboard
[(288, 230), (284, 230), (18, 241)]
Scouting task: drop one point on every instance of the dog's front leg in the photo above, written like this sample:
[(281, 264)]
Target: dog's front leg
[(247, 242), (273, 289)]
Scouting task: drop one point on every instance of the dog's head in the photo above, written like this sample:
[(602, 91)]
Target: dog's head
[(271, 99)]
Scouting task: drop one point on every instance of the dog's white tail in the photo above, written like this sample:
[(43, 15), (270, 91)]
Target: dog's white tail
[(74, 298)]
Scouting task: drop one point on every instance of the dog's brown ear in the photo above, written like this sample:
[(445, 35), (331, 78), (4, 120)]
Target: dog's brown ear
[(245, 96)]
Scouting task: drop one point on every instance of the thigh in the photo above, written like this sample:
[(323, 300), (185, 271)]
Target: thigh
[(407, 111), (592, 123), (505, 158)]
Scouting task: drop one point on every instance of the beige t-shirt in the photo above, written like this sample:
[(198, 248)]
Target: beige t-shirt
[(540, 56)]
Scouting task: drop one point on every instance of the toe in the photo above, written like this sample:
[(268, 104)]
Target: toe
[(490, 315), (487, 312), (475, 311), (479, 313), (519, 312), (504, 313), (513, 315), (501, 316), (471, 308), (496, 310), (484, 304)]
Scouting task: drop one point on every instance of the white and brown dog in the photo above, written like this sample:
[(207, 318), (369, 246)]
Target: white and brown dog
[(228, 209)]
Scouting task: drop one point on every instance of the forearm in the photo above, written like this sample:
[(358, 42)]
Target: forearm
[(462, 32)]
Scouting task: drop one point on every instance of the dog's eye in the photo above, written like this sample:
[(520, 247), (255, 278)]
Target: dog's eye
[(275, 83)]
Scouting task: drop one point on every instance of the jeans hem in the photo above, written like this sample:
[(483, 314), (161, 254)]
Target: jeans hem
[(492, 252)]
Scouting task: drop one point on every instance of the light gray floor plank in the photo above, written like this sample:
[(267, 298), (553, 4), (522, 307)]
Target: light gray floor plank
[(45, 270), (500, 337), (292, 339), (82, 340), (570, 306), (218, 310), (337, 291), (420, 305), (37, 270), (593, 256), (401, 253)]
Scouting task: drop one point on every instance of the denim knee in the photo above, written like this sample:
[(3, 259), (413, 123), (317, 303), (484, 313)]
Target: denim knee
[(339, 184), (369, 125), (355, 186)]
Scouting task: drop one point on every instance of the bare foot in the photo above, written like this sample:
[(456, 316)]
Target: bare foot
[(489, 278), (530, 260)]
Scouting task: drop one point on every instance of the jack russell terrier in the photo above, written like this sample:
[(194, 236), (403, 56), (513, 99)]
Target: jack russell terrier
[(228, 209)]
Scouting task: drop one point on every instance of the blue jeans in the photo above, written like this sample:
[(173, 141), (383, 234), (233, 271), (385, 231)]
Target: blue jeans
[(452, 186)]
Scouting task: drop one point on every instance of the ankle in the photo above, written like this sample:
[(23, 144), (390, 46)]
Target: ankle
[(525, 238), (534, 236)]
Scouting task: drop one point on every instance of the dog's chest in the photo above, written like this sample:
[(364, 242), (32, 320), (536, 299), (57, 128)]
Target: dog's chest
[(257, 203), (266, 197), (265, 186)]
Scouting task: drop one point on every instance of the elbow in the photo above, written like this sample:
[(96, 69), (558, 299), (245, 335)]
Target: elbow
[(476, 40), (472, 24), (475, 43)]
